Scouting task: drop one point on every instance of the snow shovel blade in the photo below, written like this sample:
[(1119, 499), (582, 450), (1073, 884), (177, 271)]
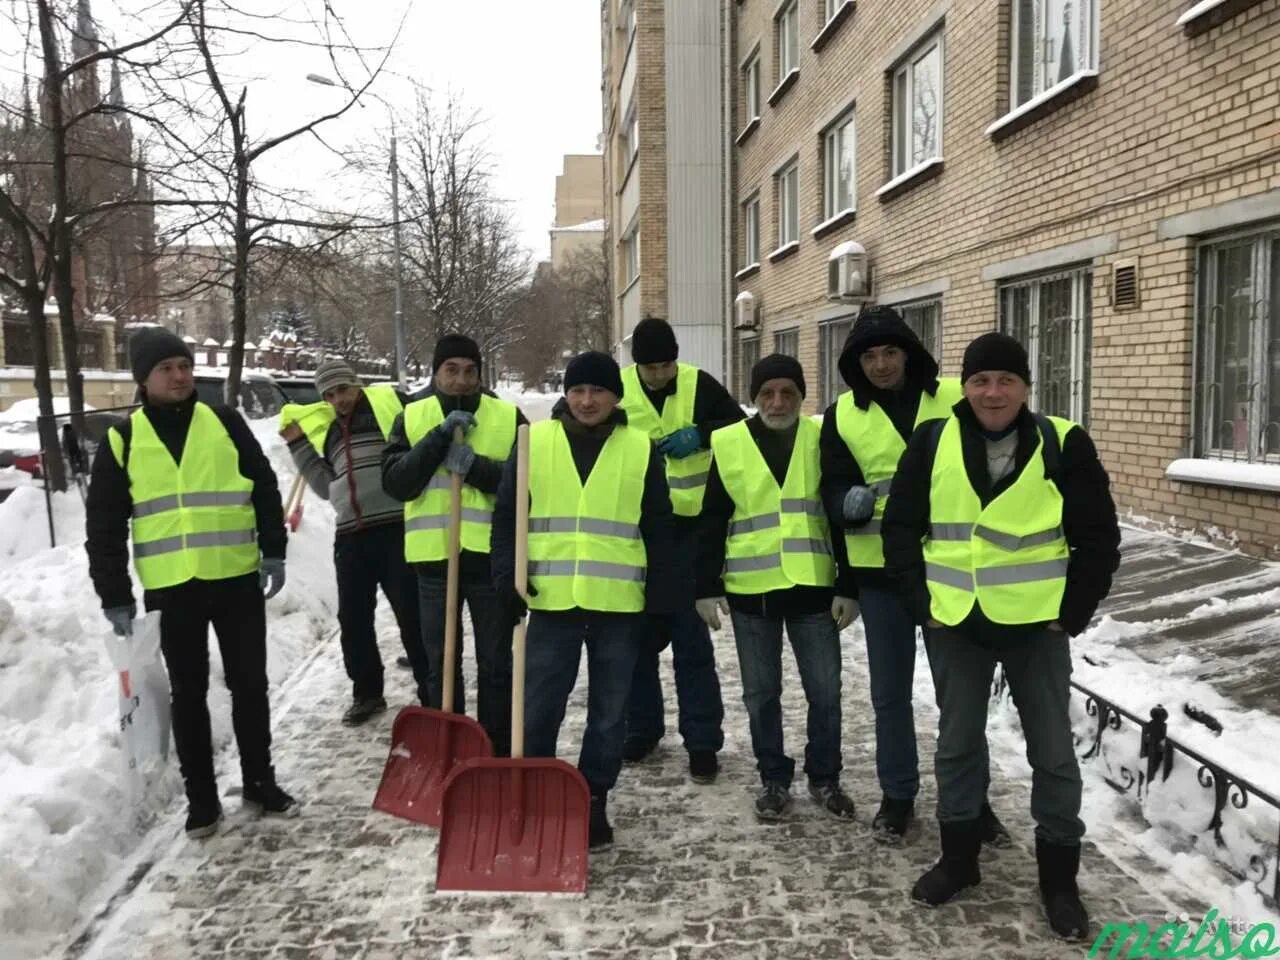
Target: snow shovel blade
[(515, 826), (425, 746)]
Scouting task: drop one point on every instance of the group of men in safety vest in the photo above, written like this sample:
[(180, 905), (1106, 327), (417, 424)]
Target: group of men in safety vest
[(655, 508)]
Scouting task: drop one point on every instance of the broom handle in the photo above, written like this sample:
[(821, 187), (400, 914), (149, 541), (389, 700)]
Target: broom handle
[(451, 583), (522, 587), (293, 494)]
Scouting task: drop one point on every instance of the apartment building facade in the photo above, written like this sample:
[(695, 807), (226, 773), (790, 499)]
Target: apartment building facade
[(1101, 180), (665, 152)]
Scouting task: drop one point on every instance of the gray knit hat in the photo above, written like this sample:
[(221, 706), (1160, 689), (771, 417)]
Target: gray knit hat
[(333, 374)]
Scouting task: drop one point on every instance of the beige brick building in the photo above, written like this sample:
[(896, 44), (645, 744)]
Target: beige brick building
[(1100, 179), (579, 222), (664, 170)]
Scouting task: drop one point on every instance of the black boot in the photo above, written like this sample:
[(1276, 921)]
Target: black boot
[(204, 810), (958, 868), (265, 798), (891, 821), (599, 833), (994, 833), (1059, 864)]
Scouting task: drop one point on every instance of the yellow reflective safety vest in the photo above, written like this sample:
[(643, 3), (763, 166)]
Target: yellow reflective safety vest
[(778, 536), (316, 418), (193, 519), (426, 519), (878, 446), (687, 477), (1010, 558), (585, 548)]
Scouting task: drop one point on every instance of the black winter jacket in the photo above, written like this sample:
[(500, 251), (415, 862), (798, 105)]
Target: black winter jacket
[(717, 510), (109, 504), (668, 580), (1088, 518), (407, 469)]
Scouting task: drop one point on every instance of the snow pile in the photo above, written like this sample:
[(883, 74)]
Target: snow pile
[(69, 825)]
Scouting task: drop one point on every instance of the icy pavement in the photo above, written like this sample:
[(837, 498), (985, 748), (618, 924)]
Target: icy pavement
[(692, 874)]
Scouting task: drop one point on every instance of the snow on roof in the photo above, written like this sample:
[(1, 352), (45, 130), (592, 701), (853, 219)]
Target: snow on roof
[(188, 339), (590, 226), (210, 342), (231, 343)]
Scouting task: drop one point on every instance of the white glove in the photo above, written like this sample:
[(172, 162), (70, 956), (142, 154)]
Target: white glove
[(710, 608), (844, 610)]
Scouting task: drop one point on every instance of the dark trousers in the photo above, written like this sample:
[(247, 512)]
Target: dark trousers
[(551, 669), (238, 613), (364, 561), (816, 646), (1037, 666), (697, 686), (492, 637)]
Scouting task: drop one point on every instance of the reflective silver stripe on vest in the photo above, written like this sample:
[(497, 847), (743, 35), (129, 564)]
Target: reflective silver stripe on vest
[(868, 529), (608, 528), (1021, 573), (441, 481), (586, 568), (749, 564), (553, 525), (476, 515), (427, 523), (949, 576), (801, 545), (217, 538), (801, 505), (1011, 541), (881, 487), (765, 521), (689, 482), (174, 501), (950, 531)]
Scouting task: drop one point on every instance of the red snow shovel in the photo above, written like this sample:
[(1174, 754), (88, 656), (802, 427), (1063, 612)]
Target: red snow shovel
[(515, 825), (427, 744)]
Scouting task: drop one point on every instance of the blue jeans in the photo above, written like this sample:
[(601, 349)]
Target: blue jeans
[(551, 669), (891, 662), (492, 638), (697, 686), (816, 646)]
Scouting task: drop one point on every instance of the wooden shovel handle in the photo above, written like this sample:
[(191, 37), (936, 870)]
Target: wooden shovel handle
[(451, 583), (294, 494), (522, 587)]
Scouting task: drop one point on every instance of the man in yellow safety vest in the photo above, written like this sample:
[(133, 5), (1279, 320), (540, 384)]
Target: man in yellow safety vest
[(337, 445), (1001, 536), (208, 541)]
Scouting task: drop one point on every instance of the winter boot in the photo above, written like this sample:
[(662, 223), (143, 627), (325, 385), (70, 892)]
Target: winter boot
[(635, 749), (834, 802), (362, 708), (265, 798), (599, 833), (703, 766), (994, 833), (958, 868), (772, 801), (891, 821), (203, 817), (1059, 864)]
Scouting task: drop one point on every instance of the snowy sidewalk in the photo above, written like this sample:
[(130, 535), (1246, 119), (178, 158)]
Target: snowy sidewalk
[(692, 874)]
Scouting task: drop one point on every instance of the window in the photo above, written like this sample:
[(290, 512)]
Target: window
[(751, 89), (1052, 316), (629, 140), (917, 107), (925, 318), (829, 8), (630, 257), (627, 19), (1053, 40), (788, 183), (787, 342), (751, 232), (1237, 387), (831, 338), (838, 145), (748, 356), (787, 36)]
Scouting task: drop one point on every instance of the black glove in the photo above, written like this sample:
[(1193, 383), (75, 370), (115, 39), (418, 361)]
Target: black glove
[(657, 632), (513, 604)]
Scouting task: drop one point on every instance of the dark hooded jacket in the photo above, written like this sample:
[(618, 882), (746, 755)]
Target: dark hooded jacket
[(840, 467)]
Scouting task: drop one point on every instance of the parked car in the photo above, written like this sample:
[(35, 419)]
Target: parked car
[(260, 396), (298, 387)]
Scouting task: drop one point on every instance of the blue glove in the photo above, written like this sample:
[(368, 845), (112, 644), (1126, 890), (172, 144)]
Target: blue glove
[(121, 619), (859, 505), (456, 419), (682, 443), (271, 576), (460, 458)]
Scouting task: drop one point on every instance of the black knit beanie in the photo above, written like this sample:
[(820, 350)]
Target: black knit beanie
[(594, 368), (773, 367), (149, 346), (454, 346), (653, 341), (995, 351)]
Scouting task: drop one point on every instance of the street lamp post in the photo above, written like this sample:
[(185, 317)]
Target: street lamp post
[(398, 316)]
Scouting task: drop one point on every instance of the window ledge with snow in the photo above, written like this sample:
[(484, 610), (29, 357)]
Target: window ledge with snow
[(627, 289), (1207, 14), (784, 251), (843, 12), (845, 216), (1226, 473), (747, 131), (748, 270), (785, 84), (1059, 95), (909, 178)]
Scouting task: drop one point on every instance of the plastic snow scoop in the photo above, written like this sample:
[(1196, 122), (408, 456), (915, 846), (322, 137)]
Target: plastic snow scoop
[(293, 505), (426, 744), (515, 825)]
